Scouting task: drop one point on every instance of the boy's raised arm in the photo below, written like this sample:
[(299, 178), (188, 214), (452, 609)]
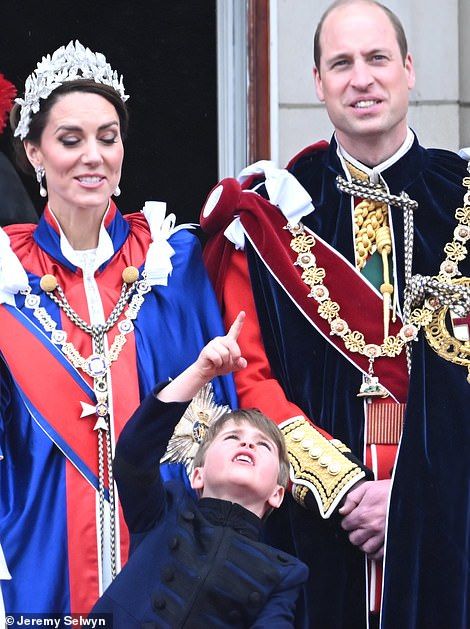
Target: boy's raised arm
[(219, 357)]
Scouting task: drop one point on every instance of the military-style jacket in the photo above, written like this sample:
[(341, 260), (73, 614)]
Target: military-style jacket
[(193, 564)]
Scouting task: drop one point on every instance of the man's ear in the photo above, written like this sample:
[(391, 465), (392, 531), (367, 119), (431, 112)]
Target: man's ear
[(197, 478), (410, 71), (276, 498), (33, 153), (318, 85)]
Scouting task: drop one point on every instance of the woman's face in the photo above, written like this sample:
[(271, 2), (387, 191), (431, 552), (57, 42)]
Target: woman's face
[(81, 150)]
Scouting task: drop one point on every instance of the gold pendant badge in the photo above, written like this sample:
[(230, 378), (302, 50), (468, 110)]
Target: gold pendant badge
[(449, 334)]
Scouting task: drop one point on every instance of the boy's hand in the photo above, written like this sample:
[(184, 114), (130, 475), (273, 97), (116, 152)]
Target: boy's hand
[(222, 355), (218, 358)]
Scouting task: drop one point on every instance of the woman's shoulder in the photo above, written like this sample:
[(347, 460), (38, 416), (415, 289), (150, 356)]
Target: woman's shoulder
[(21, 237)]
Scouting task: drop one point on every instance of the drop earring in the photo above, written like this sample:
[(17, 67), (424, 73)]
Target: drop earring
[(117, 191), (40, 174)]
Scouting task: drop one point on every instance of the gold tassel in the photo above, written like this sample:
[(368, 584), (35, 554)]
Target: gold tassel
[(383, 240)]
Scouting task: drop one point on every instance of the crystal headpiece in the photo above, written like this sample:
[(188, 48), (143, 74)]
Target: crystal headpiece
[(191, 429), (68, 63)]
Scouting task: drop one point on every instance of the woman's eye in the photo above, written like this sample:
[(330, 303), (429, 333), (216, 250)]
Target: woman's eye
[(70, 141), (265, 444), (231, 437), (109, 139)]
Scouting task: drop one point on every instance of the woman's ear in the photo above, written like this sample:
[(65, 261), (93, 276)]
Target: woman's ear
[(33, 153)]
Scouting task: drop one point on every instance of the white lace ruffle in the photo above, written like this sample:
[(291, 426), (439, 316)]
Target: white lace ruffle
[(283, 190), (13, 277), (158, 266)]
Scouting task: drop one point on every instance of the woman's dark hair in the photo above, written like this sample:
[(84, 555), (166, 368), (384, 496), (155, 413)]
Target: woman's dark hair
[(40, 119)]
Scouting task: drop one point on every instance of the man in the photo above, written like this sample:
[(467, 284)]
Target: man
[(322, 278)]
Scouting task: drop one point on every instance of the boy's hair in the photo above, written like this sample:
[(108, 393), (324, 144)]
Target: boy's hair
[(255, 418)]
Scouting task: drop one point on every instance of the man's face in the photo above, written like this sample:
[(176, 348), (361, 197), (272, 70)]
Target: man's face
[(362, 78)]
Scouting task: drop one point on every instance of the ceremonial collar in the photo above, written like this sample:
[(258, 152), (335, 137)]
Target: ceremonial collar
[(225, 513), (50, 237), (399, 173), (103, 251), (375, 172)]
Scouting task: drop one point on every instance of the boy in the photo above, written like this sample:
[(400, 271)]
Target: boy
[(200, 564)]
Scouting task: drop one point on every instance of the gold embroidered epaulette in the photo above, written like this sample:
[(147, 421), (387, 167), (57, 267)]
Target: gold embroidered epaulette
[(318, 465)]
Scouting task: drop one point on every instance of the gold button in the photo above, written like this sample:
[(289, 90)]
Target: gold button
[(130, 274), (297, 435), (316, 452), (48, 283), (334, 468)]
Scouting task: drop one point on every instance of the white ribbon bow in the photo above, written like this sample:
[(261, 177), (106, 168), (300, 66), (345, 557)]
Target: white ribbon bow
[(283, 190), (158, 264)]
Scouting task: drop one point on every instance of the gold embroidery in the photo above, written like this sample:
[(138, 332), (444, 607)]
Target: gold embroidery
[(318, 465), (443, 342)]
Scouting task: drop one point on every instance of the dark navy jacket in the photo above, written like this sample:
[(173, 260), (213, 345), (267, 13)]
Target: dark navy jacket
[(193, 563), (15, 204)]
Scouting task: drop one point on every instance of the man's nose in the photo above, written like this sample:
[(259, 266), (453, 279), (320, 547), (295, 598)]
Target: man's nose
[(361, 77)]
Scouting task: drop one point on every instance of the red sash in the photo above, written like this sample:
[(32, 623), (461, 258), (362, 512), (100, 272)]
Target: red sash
[(51, 389), (361, 306)]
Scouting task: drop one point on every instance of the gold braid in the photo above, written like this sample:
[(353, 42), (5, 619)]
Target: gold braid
[(369, 216), (372, 233)]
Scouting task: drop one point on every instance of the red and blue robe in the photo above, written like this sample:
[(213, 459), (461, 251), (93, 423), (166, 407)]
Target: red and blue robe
[(49, 526)]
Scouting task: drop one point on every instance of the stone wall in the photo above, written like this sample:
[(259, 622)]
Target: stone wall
[(438, 42)]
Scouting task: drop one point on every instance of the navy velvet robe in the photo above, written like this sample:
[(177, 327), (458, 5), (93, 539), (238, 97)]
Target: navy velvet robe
[(426, 578)]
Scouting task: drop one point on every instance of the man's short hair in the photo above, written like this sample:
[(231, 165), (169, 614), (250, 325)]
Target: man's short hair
[(257, 419), (395, 21)]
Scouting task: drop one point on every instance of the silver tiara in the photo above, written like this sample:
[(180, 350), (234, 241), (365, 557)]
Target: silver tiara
[(68, 63)]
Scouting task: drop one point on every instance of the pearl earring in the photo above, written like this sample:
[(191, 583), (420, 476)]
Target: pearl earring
[(40, 173), (117, 191)]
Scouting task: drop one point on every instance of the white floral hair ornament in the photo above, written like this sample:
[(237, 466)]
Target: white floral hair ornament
[(68, 63)]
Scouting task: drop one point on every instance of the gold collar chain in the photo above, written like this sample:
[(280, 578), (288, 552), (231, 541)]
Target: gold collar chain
[(96, 366), (303, 243)]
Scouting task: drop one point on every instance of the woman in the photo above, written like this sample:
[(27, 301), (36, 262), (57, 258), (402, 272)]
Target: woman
[(96, 309)]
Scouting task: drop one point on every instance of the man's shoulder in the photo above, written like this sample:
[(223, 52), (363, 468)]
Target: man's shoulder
[(312, 153), (445, 155), (443, 169)]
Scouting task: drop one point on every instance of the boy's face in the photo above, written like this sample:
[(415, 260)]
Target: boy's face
[(241, 465)]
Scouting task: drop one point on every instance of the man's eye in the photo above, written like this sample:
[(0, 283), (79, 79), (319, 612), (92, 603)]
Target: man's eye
[(341, 63)]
